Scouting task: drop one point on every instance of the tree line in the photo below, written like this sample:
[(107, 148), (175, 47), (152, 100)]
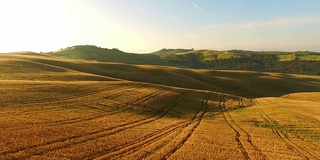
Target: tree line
[(254, 62)]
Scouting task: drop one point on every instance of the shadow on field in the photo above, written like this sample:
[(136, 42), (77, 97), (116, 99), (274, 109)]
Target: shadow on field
[(241, 83)]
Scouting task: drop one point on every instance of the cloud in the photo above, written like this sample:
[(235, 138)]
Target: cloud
[(289, 21), (283, 22), (233, 26), (251, 25), (194, 4)]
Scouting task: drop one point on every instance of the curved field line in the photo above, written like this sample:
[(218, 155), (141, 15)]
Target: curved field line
[(126, 108), (155, 135), (69, 141), (255, 102), (148, 97), (90, 117), (315, 145), (68, 121), (237, 137), (139, 143), (60, 100), (173, 103), (249, 138), (78, 96), (163, 144), (240, 102), (284, 137), (121, 151), (197, 118), (73, 120), (124, 92), (81, 119), (45, 62)]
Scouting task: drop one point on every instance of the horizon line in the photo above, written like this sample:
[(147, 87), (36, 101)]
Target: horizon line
[(171, 48)]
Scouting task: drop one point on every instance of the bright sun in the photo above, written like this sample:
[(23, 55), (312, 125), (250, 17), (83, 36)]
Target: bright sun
[(34, 25)]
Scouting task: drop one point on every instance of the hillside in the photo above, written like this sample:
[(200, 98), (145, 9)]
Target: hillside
[(90, 52), (241, 83), (302, 62), (209, 55), (57, 108)]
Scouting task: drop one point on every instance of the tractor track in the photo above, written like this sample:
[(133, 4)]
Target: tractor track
[(155, 94), (123, 109), (237, 137), (144, 141), (78, 96), (139, 143), (163, 144), (241, 104), (124, 92), (69, 141), (285, 138), (249, 138), (59, 101), (94, 116), (197, 119), (91, 117), (176, 129)]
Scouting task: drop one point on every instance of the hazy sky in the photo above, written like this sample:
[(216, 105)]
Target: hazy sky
[(150, 25)]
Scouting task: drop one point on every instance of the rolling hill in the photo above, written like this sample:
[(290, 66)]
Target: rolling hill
[(302, 62), (90, 52), (52, 107), (242, 83)]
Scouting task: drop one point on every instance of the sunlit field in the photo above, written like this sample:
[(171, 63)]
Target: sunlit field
[(54, 108)]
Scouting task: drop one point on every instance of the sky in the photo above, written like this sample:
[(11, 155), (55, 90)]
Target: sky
[(142, 26)]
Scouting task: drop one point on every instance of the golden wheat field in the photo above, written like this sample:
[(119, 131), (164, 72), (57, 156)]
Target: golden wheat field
[(53, 112)]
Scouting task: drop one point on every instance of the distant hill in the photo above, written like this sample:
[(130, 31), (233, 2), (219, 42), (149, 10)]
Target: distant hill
[(300, 62), (91, 52), (210, 55)]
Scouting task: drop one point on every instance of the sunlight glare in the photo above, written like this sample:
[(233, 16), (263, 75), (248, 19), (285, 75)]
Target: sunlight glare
[(31, 25)]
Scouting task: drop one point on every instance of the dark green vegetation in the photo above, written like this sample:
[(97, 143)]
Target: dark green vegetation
[(301, 62), (89, 52)]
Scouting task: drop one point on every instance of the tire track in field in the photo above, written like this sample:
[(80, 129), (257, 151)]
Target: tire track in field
[(77, 139), (197, 119), (80, 119), (78, 96), (163, 144), (256, 103), (236, 125), (61, 100), (96, 116), (240, 102), (244, 102), (126, 108), (315, 145), (285, 138), (133, 146), (237, 137), (155, 94), (176, 129), (123, 109), (124, 92), (147, 139)]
